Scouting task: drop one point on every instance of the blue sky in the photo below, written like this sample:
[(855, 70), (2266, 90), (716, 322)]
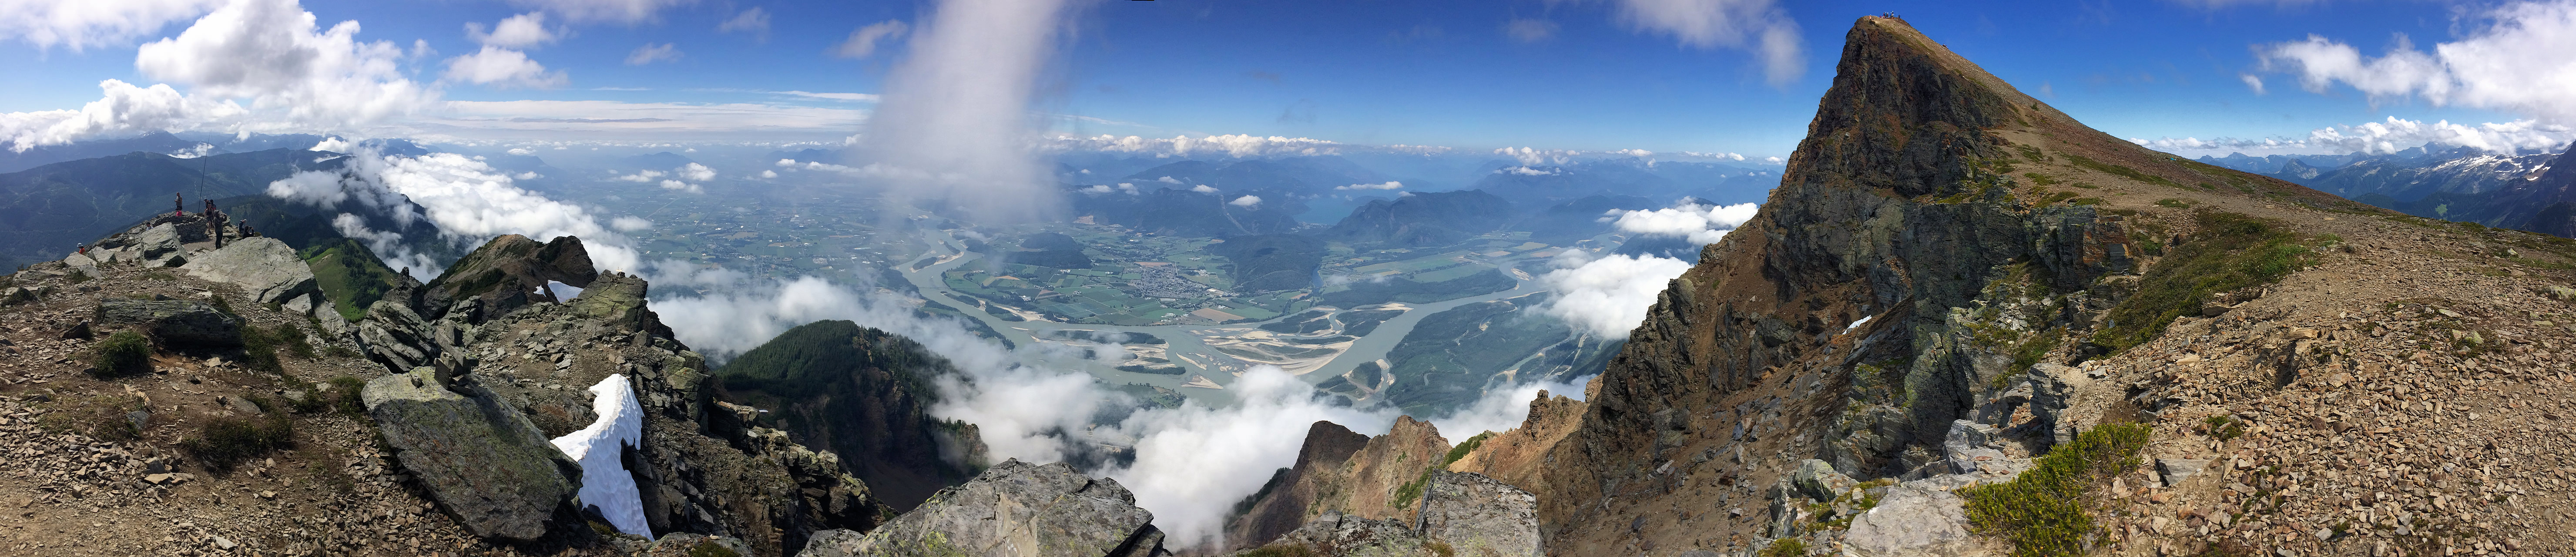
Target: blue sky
[(1580, 75)]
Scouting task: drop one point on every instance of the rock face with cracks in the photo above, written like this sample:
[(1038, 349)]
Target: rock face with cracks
[(476, 455), (265, 269), (173, 322), (1013, 509)]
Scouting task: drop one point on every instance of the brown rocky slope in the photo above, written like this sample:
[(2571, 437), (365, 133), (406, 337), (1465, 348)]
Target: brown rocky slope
[(1956, 283)]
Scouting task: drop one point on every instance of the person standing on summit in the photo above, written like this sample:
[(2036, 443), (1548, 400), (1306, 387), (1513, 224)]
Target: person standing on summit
[(215, 224)]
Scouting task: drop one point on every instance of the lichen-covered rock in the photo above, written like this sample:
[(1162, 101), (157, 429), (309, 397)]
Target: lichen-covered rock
[(265, 269), (1912, 521), (1340, 535), (477, 456), (395, 336), (1016, 509), (617, 299), (1478, 515), (155, 242), (1818, 480), (173, 322)]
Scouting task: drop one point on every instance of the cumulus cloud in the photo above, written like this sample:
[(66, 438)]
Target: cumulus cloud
[(2387, 136), (1702, 224), (682, 186), (653, 52), (1607, 296), (523, 31), (1759, 26), (295, 76), (642, 176), (1500, 410), (768, 173), (502, 66), (1178, 451), (604, 11), (863, 41), (1201, 188), (1389, 185), (81, 24), (2491, 66), (1122, 187), (1245, 201), (696, 172)]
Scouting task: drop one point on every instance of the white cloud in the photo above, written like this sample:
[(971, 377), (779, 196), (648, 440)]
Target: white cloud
[(1389, 185), (295, 76), (768, 173), (2387, 136), (523, 31), (754, 21), (521, 151), (1608, 296), (1702, 224), (1529, 30), (1756, 25), (1201, 188), (595, 120), (468, 201), (2252, 81), (1228, 145), (81, 24), (1532, 156), (332, 144), (650, 53), (642, 176), (509, 68), (1194, 462), (1245, 201), (863, 41), (1500, 410), (954, 121), (607, 11), (852, 97), (1527, 171), (682, 186), (2498, 66), (695, 172)]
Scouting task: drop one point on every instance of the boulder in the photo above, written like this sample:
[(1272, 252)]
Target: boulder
[(299, 305), (264, 268), (395, 336), (618, 299), (1818, 480), (173, 322), (81, 260), (477, 456), (155, 242), (696, 545), (1478, 515), (1014, 508), (1912, 521), (1971, 449)]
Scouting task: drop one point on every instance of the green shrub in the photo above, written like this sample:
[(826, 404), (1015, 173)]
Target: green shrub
[(259, 349), (344, 394), (295, 342), (2224, 428), (2045, 511), (2231, 252), (225, 442), (1464, 447), (124, 353), (223, 306), (2174, 203)]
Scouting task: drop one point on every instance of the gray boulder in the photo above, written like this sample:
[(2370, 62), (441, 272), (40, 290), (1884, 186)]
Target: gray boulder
[(1339, 535), (155, 242), (476, 455), (301, 304), (173, 322), (1974, 448), (395, 336), (1818, 480), (1478, 515), (1014, 508), (1912, 521), (264, 268)]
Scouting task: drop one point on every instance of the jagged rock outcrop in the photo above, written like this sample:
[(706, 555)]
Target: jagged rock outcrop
[(395, 336), (1282, 506), (1373, 482), (476, 455), (506, 274), (1477, 515), (265, 269), (1340, 535), (1518, 455), (1912, 521), (172, 322), (1014, 508)]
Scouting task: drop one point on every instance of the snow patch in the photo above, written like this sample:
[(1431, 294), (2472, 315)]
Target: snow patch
[(605, 482)]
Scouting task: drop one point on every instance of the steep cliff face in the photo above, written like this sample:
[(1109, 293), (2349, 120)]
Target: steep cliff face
[(1281, 506)]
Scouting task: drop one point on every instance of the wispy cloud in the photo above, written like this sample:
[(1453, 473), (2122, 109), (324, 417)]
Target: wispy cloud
[(2493, 66), (651, 52)]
